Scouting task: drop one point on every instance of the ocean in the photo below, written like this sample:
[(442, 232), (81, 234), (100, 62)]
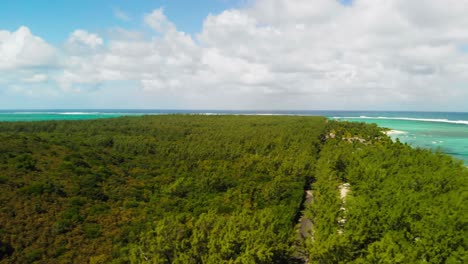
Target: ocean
[(447, 132)]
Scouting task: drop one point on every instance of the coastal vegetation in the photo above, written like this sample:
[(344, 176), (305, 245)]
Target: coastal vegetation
[(224, 189), (403, 205)]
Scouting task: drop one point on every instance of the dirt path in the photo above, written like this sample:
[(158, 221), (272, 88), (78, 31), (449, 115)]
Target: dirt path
[(304, 231), (305, 224)]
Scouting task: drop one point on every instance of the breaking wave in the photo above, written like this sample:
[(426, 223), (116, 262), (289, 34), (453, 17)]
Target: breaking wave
[(437, 120)]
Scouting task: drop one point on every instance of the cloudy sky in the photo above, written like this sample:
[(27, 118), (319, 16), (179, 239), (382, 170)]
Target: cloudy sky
[(228, 54)]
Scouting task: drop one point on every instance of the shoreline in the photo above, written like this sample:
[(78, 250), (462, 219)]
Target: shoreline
[(392, 132)]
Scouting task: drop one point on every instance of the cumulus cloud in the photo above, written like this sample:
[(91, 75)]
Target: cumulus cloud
[(21, 49), (81, 41), (36, 78), (302, 54), (158, 21)]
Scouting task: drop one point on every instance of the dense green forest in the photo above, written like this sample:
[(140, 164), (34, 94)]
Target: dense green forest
[(225, 189), (403, 205)]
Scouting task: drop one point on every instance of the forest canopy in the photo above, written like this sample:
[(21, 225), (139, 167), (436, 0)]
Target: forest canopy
[(225, 189)]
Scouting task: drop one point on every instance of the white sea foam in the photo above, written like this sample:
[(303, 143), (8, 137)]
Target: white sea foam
[(395, 132), (56, 113), (33, 113), (437, 120), (78, 113)]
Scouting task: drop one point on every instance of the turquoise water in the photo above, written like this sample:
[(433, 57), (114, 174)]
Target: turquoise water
[(10, 116), (447, 132)]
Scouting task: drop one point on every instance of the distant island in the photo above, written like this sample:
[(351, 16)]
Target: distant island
[(225, 189)]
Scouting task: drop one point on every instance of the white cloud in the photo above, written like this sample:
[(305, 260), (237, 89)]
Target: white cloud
[(36, 78), (123, 34), (20, 49), (159, 22), (83, 40), (299, 54)]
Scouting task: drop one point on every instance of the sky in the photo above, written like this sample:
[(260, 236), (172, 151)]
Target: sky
[(234, 54)]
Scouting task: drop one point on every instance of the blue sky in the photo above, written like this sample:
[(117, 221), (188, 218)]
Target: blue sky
[(53, 20), (234, 54)]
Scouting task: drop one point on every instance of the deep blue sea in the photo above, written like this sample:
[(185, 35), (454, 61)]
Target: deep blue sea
[(445, 131)]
